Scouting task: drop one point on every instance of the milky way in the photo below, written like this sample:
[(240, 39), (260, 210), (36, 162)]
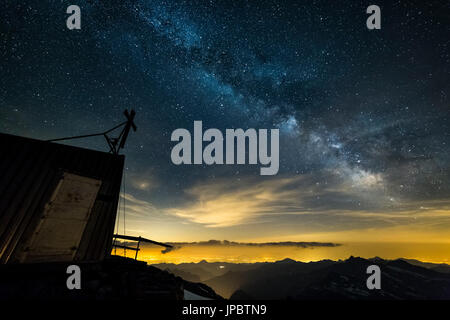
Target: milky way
[(363, 115)]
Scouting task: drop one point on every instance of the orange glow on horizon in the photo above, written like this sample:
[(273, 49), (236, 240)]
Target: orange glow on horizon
[(426, 252)]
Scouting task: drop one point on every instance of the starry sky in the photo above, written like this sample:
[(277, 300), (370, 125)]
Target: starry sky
[(363, 115)]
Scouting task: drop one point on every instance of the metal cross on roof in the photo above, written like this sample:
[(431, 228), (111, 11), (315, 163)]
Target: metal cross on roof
[(115, 144)]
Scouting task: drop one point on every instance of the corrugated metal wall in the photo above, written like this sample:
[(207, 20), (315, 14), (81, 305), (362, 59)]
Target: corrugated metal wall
[(29, 172)]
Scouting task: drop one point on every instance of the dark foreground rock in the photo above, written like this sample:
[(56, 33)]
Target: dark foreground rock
[(116, 278)]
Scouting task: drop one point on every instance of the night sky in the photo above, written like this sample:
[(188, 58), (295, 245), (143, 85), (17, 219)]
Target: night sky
[(363, 115)]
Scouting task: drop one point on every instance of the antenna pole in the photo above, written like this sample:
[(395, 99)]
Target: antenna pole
[(112, 142)]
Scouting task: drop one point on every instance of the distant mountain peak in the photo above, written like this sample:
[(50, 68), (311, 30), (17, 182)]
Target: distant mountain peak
[(376, 258), (287, 260), (356, 259)]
